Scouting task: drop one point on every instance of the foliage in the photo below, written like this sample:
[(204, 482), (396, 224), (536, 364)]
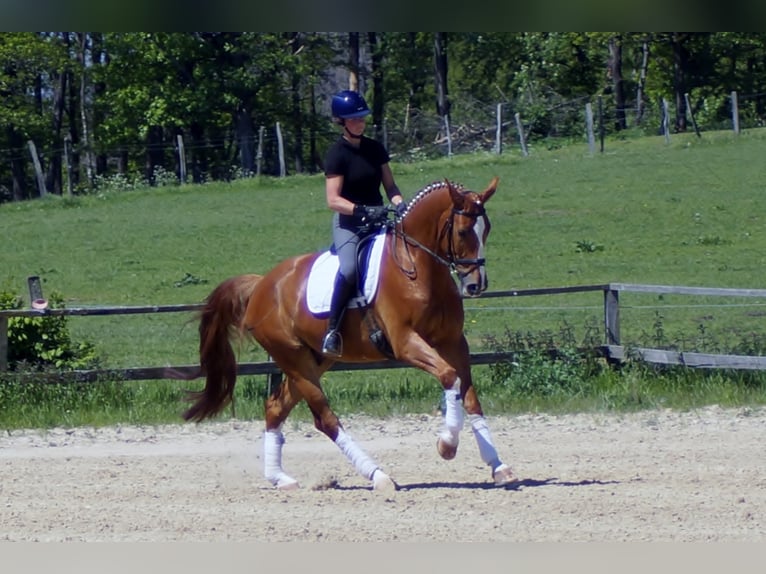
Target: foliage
[(123, 98), (44, 342), (546, 363)]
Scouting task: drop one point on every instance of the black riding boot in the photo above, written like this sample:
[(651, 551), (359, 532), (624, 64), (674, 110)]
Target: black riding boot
[(332, 345)]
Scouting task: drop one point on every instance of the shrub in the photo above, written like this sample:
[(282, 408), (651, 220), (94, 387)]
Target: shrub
[(38, 343), (547, 364)]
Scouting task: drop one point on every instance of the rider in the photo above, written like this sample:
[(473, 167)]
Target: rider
[(355, 166)]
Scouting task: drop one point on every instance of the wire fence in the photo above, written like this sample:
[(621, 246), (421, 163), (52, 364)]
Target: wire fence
[(610, 337), (410, 135)]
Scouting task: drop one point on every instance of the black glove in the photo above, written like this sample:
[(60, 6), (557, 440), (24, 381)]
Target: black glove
[(401, 207), (370, 213)]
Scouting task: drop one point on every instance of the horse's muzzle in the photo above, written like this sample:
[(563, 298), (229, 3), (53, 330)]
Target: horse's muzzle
[(473, 284)]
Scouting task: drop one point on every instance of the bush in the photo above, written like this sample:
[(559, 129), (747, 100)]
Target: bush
[(546, 364), (40, 343)]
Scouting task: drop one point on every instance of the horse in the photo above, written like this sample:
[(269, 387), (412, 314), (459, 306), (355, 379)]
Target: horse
[(433, 256)]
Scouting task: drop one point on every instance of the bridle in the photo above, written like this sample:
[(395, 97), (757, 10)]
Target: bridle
[(453, 262)]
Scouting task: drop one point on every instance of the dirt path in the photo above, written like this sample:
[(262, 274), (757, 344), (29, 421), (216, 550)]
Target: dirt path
[(659, 476)]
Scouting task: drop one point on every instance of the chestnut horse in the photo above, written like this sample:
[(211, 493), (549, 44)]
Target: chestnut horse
[(418, 307)]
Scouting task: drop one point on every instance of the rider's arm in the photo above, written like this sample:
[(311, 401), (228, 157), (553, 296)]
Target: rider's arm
[(392, 190), (333, 187)]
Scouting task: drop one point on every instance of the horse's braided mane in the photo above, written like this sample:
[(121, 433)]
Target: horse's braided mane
[(427, 190)]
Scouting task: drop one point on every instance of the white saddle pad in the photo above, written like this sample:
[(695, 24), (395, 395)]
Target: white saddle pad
[(322, 278)]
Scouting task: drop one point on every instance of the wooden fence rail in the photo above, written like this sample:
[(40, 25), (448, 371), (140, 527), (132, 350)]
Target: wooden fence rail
[(612, 348)]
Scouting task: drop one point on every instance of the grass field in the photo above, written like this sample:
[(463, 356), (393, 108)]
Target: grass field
[(686, 213)]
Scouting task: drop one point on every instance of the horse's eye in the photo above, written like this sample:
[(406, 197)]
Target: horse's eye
[(463, 232)]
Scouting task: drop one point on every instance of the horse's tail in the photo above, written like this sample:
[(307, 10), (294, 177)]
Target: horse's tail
[(220, 321)]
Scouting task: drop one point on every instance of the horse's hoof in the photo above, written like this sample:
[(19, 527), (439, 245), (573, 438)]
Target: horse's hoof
[(382, 482), (446, 451), (287, 483), (503, 475)]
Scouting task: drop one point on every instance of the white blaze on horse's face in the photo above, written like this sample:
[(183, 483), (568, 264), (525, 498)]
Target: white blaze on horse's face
[(481, 233), (474, 282)]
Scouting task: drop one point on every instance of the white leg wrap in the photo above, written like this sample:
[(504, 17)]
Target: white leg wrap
[(454, 415), (484, 440), (363, 464), (272, 459)]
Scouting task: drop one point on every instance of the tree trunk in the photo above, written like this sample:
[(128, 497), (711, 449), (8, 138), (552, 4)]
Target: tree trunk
[(680, 60), (74, 133), (615, 72), (440, 68), (53, 177), (316, 160), (377, 84), (18, 164), (295, 89), (640, 89), (246, 138), (199, 158), (82, 40), (416, 84), (100, 58), (154, 155), (353, 61)]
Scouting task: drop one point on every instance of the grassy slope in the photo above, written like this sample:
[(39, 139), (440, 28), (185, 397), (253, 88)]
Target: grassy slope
[(688, 213)]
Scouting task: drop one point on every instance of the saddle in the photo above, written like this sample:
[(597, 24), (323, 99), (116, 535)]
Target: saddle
[(321, 281), (321, 278)]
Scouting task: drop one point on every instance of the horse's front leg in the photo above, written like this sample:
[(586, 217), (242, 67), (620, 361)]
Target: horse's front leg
[(451, 365)]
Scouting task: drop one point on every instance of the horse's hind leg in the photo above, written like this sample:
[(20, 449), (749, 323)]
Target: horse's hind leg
[(294, 388), (326, 421), (278, 405)]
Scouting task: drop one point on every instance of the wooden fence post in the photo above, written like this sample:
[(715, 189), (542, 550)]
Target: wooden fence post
[(259, 153), (612, 316), (281, 146), (665, 120), (449, 135), (734, 112), (601, 130), (181, 158), (520, 129), (3, 344), (691, 115), (68, 162), (499, 130), (589, 127), (38, 168)]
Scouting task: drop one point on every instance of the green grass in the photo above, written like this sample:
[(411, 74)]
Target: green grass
[(687, 213)]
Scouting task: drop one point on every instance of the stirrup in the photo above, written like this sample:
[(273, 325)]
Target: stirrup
[(332, 345)]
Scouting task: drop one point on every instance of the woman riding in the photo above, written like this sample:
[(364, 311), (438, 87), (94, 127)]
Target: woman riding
[(355, 167)]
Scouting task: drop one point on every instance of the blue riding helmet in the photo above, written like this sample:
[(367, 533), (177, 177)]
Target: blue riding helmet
[(349, 104)]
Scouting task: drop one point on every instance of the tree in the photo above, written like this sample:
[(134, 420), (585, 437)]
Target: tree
[(440, 75), (27, 62), (614, 68)]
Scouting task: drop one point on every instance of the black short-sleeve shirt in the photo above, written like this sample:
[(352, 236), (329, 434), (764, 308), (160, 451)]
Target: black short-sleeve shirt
[(360, 168)]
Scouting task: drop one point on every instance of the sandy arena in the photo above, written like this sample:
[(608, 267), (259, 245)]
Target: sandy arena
[(652, 476)]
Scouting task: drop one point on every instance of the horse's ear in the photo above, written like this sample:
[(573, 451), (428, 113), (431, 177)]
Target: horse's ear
[(491, 188), (457, 197)]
